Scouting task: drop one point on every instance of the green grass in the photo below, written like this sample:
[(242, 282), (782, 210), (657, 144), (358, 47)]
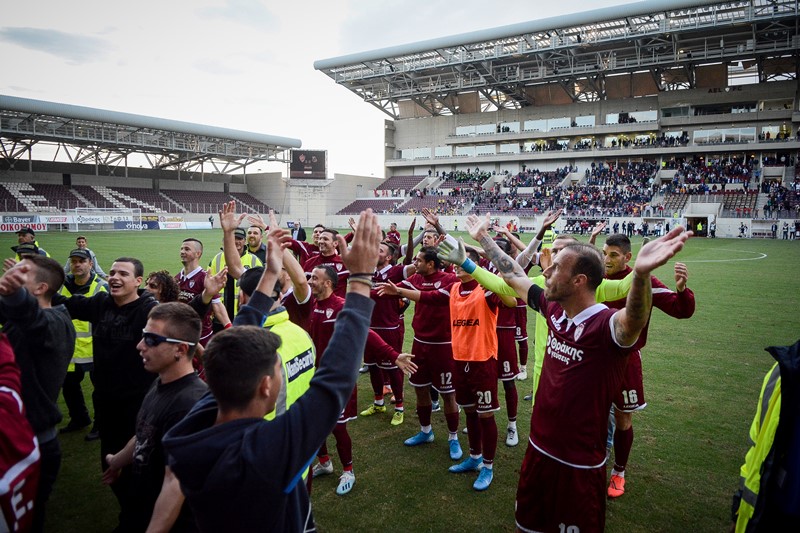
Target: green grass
[(702, 378)]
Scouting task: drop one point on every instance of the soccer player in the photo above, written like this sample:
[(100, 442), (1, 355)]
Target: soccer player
[(563, 476), (232, 464), (82, 280), (167, 348), (191, 280), (630, 398), (432, 348), (386, 322), (328, 256), (327, 306), (473, 325)]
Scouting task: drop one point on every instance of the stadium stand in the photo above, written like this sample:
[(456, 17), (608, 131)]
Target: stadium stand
[(95, 198), (254, 204), (379, 205), (400, 183)]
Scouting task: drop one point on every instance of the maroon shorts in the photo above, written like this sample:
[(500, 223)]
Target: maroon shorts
[(392, 337), (434, 366), (507, 363), (350, 411), (631, 396), (522, 323), (476, 385), (552, 496)]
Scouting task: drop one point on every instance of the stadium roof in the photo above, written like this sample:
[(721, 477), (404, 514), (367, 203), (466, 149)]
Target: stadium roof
[(96, 135), (577, 52)]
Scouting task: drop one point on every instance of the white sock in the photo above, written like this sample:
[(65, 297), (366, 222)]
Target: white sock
[(615, 473), (452, 436), (512, 425), (426, 429)]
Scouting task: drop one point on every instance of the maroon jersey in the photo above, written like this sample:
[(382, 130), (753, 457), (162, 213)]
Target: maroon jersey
[(303, 250), (334, 261), (386, 313), (19, 460), (323, 318), (431, 322), (191, 285), (583, 369), (299, 312), (393, 236), (675, 304)]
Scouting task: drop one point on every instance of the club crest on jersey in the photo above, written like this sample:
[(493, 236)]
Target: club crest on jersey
[(328, 312), (338, 266), (578, 332), (437, 284), (191, 284)]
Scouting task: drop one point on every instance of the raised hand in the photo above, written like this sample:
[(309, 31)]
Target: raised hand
[(546, 258), (551, 218), (256, 220), (213, 284), (412, 227), (681, 276), (352, 223), (363, 253), (598, 229), (452, 254), (14, 279), (277, 240), (431, 217), (658, 252), (478, 227), (228, 219), (9, 263)]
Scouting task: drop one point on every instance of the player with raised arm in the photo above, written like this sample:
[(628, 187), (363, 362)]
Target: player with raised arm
[(563, 475)]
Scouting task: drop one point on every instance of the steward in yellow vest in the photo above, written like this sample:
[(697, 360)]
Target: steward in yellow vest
[(83, 281), (769, 495)]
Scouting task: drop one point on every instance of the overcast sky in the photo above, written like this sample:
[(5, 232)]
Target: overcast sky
[(242, 64)]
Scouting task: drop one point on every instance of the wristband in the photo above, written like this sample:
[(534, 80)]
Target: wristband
[(469, 266), (362, 274), (360, 279), (228, 325)]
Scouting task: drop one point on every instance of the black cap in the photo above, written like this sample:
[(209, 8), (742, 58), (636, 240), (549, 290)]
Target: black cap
[(80, 252), (239, 233), (27, 248), (28, 231)]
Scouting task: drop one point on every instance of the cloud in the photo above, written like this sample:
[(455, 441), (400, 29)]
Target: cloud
[(245, 12), (73, 48)]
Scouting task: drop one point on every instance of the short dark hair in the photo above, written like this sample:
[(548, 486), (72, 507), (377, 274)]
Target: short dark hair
[(473, 254), (429, 254), (589, 262), (236, 360), (169, 287), (620, 241), (138, 267), (79, 237), (319, 226), (331, 231), (48, 271), (330, 273), (182, 322), (259, 228), (250, 278), (504, 245), (192, 239)]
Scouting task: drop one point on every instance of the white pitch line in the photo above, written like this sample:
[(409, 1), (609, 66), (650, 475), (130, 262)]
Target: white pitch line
[(759, 254)]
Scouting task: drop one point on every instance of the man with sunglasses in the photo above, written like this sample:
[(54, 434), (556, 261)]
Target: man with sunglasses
[(167, 347)]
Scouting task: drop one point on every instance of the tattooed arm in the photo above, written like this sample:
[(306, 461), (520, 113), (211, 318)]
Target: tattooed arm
[(507, 267), (628, 322)]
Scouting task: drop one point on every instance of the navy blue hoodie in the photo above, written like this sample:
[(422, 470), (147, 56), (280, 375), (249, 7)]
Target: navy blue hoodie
[(246, 475)]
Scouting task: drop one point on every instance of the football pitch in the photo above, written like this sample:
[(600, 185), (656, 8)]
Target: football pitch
[(702, 379)]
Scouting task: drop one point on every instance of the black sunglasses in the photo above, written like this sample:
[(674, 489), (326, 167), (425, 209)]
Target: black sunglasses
[(152, 339)]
